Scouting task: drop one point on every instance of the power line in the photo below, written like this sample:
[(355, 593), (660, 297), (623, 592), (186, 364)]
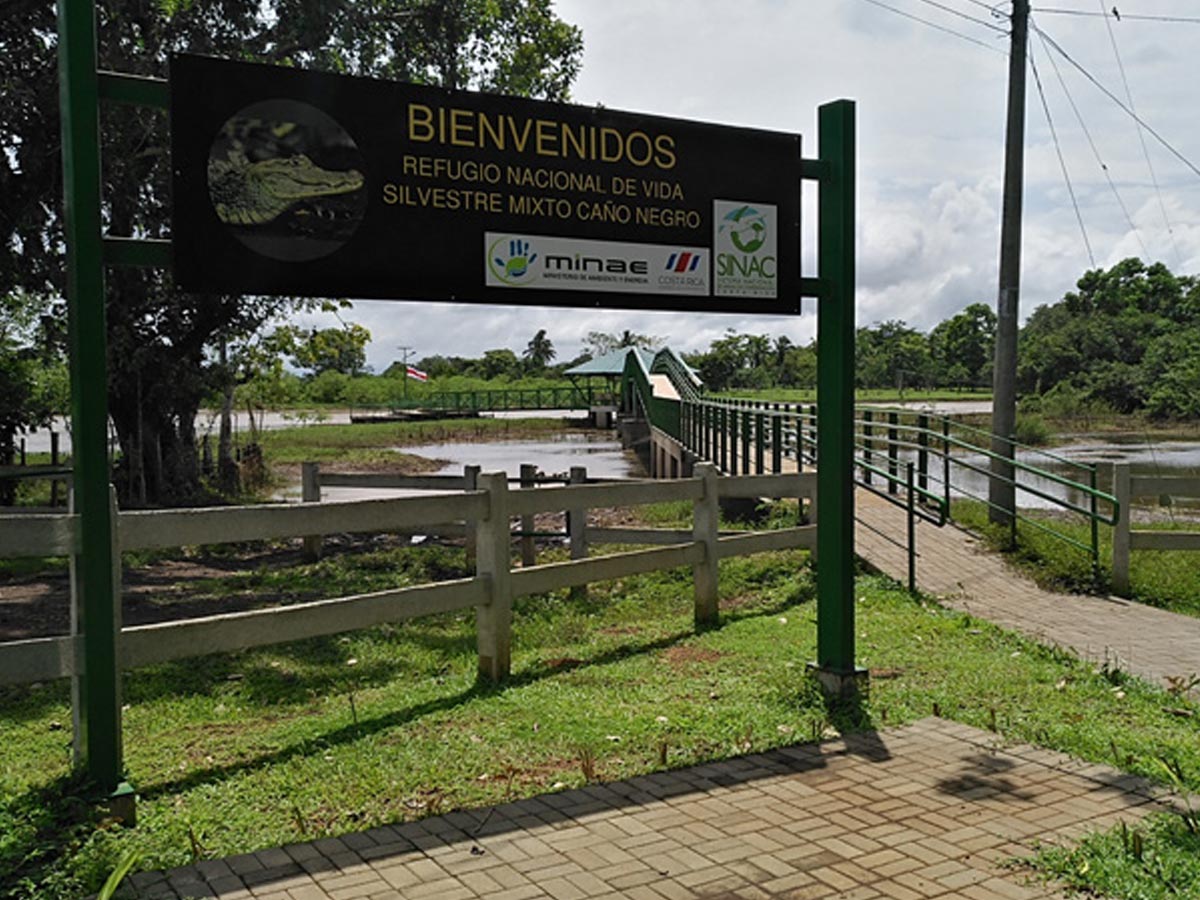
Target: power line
[(963, 15), (1141, 137), (993, 8), (1037, 79), (1095, 151), (1191, 20), (957, 34), (1113, 97)]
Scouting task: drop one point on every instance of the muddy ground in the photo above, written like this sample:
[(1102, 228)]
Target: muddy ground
[(172, 587)]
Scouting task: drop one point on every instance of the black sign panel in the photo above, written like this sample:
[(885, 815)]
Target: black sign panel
[(298, 183)]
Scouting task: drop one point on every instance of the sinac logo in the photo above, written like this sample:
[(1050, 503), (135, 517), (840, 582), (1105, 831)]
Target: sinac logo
[(511, 260), (747, 228)]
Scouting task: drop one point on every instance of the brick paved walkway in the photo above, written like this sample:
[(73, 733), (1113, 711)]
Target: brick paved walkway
[(1149, 642), (928, 810)]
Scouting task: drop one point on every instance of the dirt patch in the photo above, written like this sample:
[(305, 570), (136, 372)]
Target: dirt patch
[(739, 601), (687, 655), (168, 589)]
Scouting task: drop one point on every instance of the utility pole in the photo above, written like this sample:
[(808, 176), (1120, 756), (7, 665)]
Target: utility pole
[(1001, 491), (405, 351)]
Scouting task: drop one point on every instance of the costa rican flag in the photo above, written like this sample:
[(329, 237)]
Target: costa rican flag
[(414, 372)]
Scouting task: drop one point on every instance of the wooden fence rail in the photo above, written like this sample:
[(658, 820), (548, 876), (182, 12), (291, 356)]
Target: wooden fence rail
[(1126, 486), (485, 512)]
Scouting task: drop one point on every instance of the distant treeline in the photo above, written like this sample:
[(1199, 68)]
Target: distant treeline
[(1128, 340)]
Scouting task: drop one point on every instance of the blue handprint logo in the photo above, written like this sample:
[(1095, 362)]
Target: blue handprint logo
[(513, 267)]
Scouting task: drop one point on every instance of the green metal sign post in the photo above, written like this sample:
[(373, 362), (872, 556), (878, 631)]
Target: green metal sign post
[(97, 700), (835, 399)]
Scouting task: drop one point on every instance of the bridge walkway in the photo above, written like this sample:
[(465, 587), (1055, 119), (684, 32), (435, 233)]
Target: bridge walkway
[(954, 566)]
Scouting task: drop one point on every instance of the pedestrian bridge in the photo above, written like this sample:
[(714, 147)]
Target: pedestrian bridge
[(911, 460)]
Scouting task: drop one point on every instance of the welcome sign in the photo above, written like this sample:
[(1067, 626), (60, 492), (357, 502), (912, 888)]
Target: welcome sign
[(297, 183)]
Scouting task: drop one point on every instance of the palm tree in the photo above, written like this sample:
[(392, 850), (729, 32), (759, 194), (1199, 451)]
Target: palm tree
[(539, 351)]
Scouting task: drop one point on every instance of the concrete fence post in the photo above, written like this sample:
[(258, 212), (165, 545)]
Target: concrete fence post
[(528, 550), (493, 622), (470, 483), (310, 492), (1120, 552), (706, 519), (577, 530)]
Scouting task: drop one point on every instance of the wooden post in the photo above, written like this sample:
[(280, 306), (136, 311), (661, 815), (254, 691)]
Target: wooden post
[(470, 483), (1120, 553), (577, 530), (528, 550), (706, 518), (310, 492), (493, 622)]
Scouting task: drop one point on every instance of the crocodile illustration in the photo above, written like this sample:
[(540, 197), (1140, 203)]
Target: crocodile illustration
[(255, 193)]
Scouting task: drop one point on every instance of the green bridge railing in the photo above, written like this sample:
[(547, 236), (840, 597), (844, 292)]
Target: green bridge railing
[(583, 396), (908, 458)]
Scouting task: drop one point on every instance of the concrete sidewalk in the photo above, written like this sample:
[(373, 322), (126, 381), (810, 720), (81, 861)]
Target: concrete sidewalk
[(929, 810), (954, 566)]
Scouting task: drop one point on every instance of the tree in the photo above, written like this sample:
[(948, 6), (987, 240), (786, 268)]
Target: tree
[(601, 342), (540, 350), (321, 350), (1127, 340), (962, 346), (736, 360), (32, 376), (500, 363), (891, 354), (163, 345)]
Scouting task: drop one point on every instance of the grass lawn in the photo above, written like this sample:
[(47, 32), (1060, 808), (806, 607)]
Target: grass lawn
[(1169, 580), (238, 752), (373, 443)]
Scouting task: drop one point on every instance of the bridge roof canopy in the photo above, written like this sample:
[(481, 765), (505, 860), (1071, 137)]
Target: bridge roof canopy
[(611, 364)]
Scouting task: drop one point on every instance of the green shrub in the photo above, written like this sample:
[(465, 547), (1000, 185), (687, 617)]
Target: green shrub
[(1033, 431)]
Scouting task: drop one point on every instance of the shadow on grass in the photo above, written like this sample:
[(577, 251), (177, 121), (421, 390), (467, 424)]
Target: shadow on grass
[(451, 645), (365, 727)]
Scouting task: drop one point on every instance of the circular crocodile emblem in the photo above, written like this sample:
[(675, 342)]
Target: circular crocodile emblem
[(287, 180)]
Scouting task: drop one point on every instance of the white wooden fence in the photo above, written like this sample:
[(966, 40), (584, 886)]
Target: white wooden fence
[(1126, 486), (486, 511)]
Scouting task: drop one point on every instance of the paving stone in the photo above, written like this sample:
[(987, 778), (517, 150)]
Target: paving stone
[(861, 827)]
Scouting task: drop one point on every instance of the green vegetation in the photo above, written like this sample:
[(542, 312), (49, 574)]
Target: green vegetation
[(891, 356), (373, 443), (244, 751), (1128, 340), (1157, 861), (170, 351), (1167, 580)]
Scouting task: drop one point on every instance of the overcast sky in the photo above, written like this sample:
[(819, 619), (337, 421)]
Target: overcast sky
[(930, 126)]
